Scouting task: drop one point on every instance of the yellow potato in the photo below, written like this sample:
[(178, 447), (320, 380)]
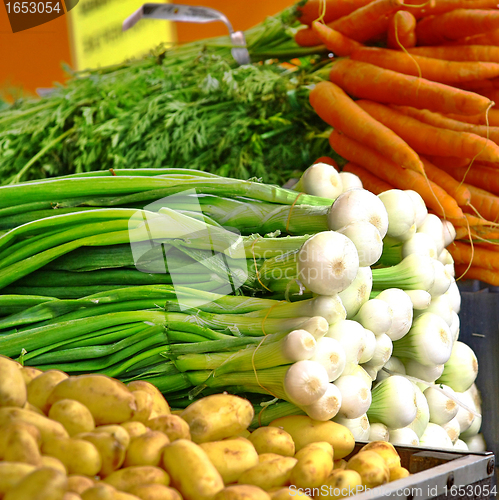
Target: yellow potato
[(244, 434), (77, 455), (29, 373), (39, 388), (53, 462), (340, 464), (268, 457), (12, 386), (22, 446), (48, 428), (305, 430), (341, 484), (173, 426), (273, 440), (319, 445), (242, 492), (30, 407), (79, 484), (99, 491), (129, 477), (160, 405), (271, 474), (108, 399), (116, 431), (74, 416), (134, 428), (217, 417), (184, 461), (41, 484), (287, 492), (144, 402), (312, 468), (112, 452), (231, 457), (155, 492), (12, 473), (70, 495), (371, 467), (385, 450), (8, 428), (398, 473), (146, 449)]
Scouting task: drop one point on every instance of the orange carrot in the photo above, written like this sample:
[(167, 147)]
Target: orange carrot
[(335, 41), (477, 273), (455, 189), (489, 38), (371, 82), (462, 254), (369, 181), (484, 53), (479, 234), (328, 160), (369, 21), (436, 70), (441, 6), (479, 118), (483, 202), (475, 85), (433, 195), (438, 120), (456, 24), (427, 139), (341, 112), (335, 9), (478, 175), (307, 37), (401, 30), (492, 94), (470, 220), (448, 162)]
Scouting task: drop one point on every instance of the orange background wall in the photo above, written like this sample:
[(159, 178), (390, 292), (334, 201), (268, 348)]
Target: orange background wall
[(33, 58)]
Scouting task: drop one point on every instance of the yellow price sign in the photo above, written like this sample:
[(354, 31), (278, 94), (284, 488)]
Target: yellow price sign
[(97, 38)]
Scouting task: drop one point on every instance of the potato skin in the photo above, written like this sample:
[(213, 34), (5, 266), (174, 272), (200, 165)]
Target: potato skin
[(22, 445), (185, 460), (271, 474), (305, 430), (273, 440), (77, 455), (134, 428), (231, 457), (128, 477), (242, 492), (48, 428), (73, 415), (112, 452), (173, 426), (159, 405), (218, 416), (13, 390), (41, 484), (78, 483), (371, 467), (312, 469), (40, 387), (155, 492), (108, 399), (146, 449), (12, 473)]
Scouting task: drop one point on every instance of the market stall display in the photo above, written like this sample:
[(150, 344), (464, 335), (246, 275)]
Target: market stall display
[(145, 236)]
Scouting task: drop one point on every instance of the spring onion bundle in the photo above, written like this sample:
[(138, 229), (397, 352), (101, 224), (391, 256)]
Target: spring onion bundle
[(199, 283)]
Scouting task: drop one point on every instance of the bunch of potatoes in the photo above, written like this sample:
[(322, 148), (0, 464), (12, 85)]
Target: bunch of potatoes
[(91, 437)]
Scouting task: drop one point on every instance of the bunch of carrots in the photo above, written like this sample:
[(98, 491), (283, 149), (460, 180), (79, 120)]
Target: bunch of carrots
[(412, 99)]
